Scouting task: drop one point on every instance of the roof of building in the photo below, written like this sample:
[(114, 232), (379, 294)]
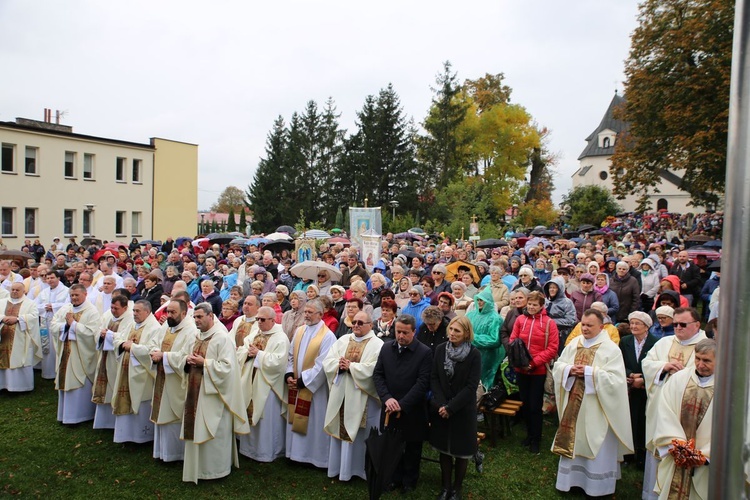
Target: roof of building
[(608, 122), (63, 131)]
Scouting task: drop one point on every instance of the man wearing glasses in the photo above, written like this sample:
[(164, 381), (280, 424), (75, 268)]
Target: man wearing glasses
[(349, 367), (668, 356)]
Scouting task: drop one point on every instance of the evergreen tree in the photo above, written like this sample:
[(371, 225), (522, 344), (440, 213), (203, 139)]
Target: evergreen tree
[(331, 147), (231, 224), (267, 195), (243, 221)]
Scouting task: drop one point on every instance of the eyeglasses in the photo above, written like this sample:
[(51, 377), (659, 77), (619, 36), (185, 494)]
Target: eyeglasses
[(415, 294), (436, 272), (322, 276), (358, 323), (680, 324)]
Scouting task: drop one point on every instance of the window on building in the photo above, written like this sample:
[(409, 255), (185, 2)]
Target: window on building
[(120, 170), (30, 222), (88, 222), (603, 175), (120, 223), (70, 165), (32, 155), (137, 164), (7, 165), (88, 166), (69, 218), (8, 216), (662, 204), (606, 142), (136, 223)]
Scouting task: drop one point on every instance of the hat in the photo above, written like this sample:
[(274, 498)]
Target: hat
[(587, 277), (283, 289), (56, 238), (418, 289), (334, 287), (665, 311), (563, 270), (526, 270), (642, 317), (210, 253)]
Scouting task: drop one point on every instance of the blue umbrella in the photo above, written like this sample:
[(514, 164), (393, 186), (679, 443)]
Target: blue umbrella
[(713, 244), (182, 239)]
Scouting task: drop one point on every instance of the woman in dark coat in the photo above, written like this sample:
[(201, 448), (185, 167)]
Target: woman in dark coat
[(456, 369), (152, 291)]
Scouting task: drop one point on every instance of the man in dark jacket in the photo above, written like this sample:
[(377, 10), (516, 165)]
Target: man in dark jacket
[(690, 277), (627, 289), (402, 378), (354, 268)]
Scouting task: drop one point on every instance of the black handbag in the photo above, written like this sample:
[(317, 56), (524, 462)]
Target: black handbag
[(518, 354), (494, 397)]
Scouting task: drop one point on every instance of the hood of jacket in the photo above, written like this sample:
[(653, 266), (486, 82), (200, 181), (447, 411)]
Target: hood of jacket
[(669, 293), (560, 282), (489, 303), (675, 281), (650, 263)]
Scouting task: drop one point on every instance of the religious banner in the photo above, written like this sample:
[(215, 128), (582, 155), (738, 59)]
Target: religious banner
[(370, 250), (362, 220), (304, 249)]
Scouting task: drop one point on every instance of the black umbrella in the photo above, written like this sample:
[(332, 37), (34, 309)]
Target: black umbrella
[(286, 229), (715, 265), (381, 458), (547, 232), (585, 227), (409, 254), (279, 245), (16, 255), (155, 243), (220, 238), (537, 230), (86, 242), (491, 243), (597, 232), (518, 235), (570, 234)]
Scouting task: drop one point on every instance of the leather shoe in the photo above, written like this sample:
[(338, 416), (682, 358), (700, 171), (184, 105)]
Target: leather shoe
[(455, 495), (443, 495)]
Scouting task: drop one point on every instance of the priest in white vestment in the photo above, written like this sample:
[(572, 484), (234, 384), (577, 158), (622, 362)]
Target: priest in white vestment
[(8, 277), (34, 283), (118, 316), (307, 389), (263, 358), (214, 410), (168, 351), (246, 324), (685, 411), (102, 299), (134, 382), (74, 330), (591, 389), (353, 403), (48, 302), (20, 346), (667, 357)]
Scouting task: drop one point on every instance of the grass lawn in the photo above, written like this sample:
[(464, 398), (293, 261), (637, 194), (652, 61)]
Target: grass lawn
[(41, 458)]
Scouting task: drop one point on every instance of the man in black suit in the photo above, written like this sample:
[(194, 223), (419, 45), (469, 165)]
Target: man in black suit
[(402, 378), (634, 349), (690, 277)]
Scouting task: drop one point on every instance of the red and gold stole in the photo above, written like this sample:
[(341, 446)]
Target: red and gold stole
[(195, 379), (100, 384), (353, 353), (7, 335), (242, 331), (301, 399), (695, 403), (679, 352), (161, 376), (122, 405), (260, 342), (565, 438), (62, 370)]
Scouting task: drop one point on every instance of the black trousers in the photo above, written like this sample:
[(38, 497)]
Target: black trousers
[(532, 396), (407, 472)]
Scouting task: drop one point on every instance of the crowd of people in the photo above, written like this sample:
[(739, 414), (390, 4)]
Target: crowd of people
[(219, 351)]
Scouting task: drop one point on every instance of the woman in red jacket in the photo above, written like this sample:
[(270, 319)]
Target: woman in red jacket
[(540, 335)]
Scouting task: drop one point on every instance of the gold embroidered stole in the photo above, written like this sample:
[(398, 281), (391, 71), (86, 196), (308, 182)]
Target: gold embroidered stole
[(260, 342), (100, 384), (122, 405), (679, 352), (62, 370), (695, 403), (7, 335), (195, 379), (301, 399), (161, 376), (565, 438), (242, 331), (353, 353)]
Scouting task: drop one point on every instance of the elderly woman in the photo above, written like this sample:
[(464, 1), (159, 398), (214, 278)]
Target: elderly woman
[(461, 300), (229, 313), (456, 369), (235, 293), (324, 283), (173, 275), (468, 280), (402, 296), (433, 331), (359, 291), (269, 300), (378, 285), (353, 306), (516, 309), (294, 317), (152, 291), (282, 292), (486, 323), (385, 326), (500, 293), (312, 292), (256, 288), (527, 280), (330, 316)]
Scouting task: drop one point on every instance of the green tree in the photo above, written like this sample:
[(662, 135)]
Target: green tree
[(270, 184), (243, 221), (331, 147), (677, 98), (590, 205), (488, 91), (231, 198), (540, 173), (231, 223)]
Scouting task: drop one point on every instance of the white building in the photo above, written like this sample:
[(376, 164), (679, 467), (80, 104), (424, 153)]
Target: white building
[(56, 183), (595, 167)]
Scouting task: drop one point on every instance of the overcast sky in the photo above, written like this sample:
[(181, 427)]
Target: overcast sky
[(218, 73)]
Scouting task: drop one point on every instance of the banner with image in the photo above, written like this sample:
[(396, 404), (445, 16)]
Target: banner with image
[(304, 249), (370, 250), (362, 220)]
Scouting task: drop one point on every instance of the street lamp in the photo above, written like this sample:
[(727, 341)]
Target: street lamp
[(394, 205), (203, 224)]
